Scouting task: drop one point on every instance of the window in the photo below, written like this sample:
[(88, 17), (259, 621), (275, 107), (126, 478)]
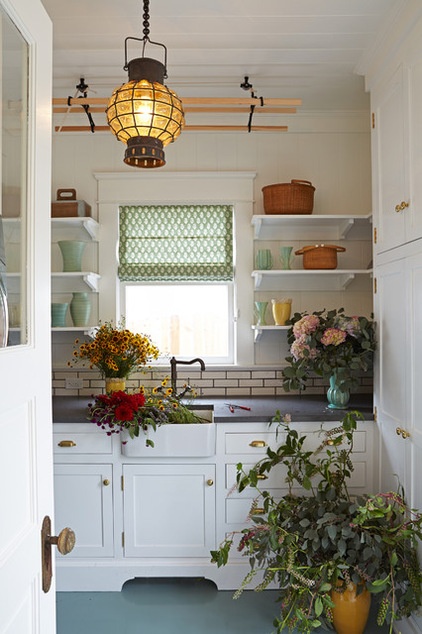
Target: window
[(176, 273)]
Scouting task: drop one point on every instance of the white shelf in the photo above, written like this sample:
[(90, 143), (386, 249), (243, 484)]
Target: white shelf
[(74, 282), (258, 330), (312, 227), (85, 329), (85, 223), (307, 280)]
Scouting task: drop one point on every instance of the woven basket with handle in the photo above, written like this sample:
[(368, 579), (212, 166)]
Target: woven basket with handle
[(320, 256), (296, 197)]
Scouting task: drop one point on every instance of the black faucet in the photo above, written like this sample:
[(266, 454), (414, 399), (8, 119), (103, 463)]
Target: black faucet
[(173, 364)]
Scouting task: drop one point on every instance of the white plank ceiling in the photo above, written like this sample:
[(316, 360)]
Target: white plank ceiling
[(307, 49)]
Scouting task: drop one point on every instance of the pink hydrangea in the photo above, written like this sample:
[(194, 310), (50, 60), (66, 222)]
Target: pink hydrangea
[(298, 347), (333, 337), (306, 325)]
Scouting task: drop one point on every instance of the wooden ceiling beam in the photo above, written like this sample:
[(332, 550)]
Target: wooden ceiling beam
[(195, 109), (188, 101), (195, 128)]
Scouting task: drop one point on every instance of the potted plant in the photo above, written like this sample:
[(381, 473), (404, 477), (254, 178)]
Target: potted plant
[(331, 345), (318, 541)]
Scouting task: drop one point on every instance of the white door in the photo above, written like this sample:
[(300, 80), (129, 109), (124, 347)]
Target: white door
[(26, 491)]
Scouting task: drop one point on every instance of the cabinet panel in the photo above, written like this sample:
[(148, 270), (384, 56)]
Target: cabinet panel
[(84, 501), (169, 510), (390, 150)]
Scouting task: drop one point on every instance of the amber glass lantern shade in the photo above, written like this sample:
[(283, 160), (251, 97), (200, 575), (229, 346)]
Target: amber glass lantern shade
[(146, 116)]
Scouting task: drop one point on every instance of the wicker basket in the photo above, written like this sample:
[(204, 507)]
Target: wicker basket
[(320, 256), (296, 197)]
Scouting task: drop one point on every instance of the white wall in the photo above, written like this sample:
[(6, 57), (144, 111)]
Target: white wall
[(331, 150)]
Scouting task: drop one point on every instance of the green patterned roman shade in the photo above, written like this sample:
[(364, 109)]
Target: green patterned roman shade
[(176, 243)]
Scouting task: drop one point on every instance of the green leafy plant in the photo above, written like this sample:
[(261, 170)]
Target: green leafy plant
[(318, 538), (325, 342)]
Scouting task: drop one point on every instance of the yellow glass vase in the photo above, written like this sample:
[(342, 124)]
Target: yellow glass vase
[(115, 384)]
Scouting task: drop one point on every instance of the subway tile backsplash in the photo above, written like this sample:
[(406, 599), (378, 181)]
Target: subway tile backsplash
[(221, 381)]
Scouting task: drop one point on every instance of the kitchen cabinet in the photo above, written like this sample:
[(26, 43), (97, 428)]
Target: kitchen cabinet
[(316, 229), (152, 516), (397, 155), (84, 501), (63, 284), (83, 488), (396, 103), (398, 306), (169, 510)]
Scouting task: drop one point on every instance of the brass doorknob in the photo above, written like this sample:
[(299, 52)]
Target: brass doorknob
[(65, 542)]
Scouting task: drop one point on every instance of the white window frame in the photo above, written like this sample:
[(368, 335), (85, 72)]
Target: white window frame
[(165, 187)]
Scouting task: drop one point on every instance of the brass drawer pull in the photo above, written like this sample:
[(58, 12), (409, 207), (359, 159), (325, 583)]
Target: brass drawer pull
[(67, 443), (401, 206), (258, 443), (258, 511), (261, 476)]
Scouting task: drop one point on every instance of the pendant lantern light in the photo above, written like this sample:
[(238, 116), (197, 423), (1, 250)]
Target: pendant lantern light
[(144, 113)]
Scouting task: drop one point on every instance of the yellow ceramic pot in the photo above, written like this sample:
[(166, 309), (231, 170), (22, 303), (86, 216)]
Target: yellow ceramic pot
[(351, 610), (281, 311), (114, 384)]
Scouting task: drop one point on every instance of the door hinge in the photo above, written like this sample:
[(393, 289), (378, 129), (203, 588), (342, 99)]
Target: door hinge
[(375, 414), (122, 483), (375, 235), (123, 539), (375, 285), (373, 120)]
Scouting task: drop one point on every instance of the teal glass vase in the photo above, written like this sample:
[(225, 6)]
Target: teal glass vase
[(337, 395), (260, 310)]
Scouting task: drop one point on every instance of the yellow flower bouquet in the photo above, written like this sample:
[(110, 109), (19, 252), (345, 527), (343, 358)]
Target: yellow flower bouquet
[(116, 351)]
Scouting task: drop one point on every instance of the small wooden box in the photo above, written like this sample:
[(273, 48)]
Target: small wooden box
[(66, 205)]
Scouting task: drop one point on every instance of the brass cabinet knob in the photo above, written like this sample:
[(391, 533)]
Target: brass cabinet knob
[(401, 206), (106, 482), (210, 482), (67, 443), (402, 432), (258, 443)]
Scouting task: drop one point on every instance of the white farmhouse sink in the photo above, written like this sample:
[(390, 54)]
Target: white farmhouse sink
[(175, 441)]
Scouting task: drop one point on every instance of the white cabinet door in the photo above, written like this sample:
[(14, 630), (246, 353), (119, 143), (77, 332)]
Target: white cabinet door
[(169, 510), (84, 500), (390, 168), (391, 303)]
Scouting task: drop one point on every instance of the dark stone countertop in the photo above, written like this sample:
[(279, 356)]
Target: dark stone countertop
[(72, 409)]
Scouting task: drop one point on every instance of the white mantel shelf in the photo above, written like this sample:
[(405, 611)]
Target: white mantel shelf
[(311, 227), (305, 280)]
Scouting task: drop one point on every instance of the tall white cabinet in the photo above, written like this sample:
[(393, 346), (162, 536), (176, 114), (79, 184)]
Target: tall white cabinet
[(396, 103)]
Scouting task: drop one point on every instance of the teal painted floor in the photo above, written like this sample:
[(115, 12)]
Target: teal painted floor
[(170, 606)]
